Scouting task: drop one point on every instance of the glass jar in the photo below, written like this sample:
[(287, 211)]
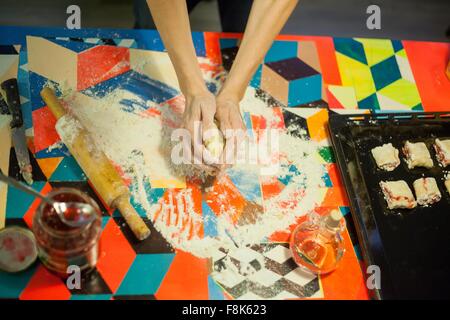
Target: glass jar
[(317, 244), (59, 245)]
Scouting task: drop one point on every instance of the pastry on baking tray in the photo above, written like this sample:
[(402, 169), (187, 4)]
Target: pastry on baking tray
[(427, 191), (447, 184), (386, 157), (442, 148), (417, 155), (398, 195)]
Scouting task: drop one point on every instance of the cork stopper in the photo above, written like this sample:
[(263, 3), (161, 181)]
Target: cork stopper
[(334, 219)]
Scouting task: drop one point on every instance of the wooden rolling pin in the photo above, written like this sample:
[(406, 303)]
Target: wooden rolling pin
[(97, 167)]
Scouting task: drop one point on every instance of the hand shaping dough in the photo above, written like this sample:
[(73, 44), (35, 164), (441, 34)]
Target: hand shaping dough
[(417, 155), (427, 191), (386, 157), (398, 195), (214, 143)]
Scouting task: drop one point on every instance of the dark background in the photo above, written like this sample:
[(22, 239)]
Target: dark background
[(400, 19)]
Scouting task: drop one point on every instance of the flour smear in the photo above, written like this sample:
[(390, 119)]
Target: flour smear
[(134, 136)]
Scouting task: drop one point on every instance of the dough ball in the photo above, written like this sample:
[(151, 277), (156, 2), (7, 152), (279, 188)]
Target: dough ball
[(215, 142)]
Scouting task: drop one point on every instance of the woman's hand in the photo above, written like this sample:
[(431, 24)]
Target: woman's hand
[(231, 124), (200, 109), (198, 117)]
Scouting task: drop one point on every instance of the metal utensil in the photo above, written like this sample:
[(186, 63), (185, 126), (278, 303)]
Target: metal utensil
[(86, 213), (12, 97)]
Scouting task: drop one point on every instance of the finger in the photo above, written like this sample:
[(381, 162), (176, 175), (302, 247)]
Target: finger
[(223, 124), (225, 127), (208, 117), (241, 129), (230, 151), (197, 149), (191, 124), (238, 124)]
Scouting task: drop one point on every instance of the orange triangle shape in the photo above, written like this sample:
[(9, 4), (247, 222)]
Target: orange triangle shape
[(44, 285), (348, 272), (49, 165), (181, 282)]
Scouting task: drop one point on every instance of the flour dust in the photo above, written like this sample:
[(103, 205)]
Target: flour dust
[(199, 219)]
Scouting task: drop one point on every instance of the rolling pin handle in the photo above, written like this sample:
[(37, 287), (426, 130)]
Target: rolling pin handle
[(102, 173), (133, 219), (53, 103)]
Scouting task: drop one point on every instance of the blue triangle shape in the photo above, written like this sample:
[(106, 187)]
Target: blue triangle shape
[(18, 202), (68, 170), (146, 274), (351, 48), (214, 291)]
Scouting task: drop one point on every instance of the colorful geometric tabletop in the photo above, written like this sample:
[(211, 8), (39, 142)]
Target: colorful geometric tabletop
[(302, 79)]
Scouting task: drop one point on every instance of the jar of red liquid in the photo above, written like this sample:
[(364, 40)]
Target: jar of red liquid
[(59, 245)]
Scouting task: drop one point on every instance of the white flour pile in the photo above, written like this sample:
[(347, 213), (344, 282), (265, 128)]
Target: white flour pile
[(134, 141)]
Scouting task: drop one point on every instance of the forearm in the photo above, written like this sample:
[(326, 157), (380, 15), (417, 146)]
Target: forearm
[(267, 18), (172, 20)]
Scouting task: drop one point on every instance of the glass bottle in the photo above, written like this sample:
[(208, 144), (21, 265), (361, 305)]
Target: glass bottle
[(317, 244), (59, 245)]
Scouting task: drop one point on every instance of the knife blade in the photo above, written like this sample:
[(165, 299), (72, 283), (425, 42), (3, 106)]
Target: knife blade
[(12, 97)]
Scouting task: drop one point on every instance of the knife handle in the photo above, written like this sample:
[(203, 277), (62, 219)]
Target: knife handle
[(13, 101), (3, 106)]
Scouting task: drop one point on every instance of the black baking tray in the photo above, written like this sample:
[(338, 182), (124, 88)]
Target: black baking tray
[(411, 247)]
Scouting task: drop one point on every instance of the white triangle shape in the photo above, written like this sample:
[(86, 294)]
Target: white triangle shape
[(389, 104)]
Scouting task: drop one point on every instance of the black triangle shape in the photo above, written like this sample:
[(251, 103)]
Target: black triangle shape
[(267, 98), (8, 49), (108, 42), (14, 170), (228, 56), (18, 222), (153, 244), (83, 186), (92, 283), (77, 39), (294, 124), (313, 104)]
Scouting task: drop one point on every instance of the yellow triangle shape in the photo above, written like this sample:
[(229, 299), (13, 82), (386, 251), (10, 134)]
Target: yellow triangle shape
[(357, 75), (402, 53), (345, 95), (377, 50), (403, 92)]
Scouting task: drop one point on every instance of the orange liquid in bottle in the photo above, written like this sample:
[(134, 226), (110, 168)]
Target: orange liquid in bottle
[(315, 249)]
